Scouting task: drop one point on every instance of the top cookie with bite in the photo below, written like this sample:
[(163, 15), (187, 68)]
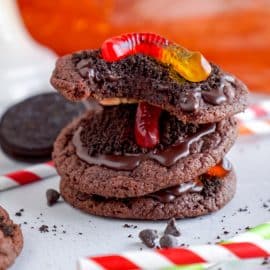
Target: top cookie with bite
[(86, 74)]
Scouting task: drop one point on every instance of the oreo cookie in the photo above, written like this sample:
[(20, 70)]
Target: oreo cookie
[(28, 129)]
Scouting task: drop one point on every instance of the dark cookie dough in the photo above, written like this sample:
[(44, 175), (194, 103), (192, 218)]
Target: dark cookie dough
[(149, 176), (86, 75), (11, 240), (29, 128), (215, 194)]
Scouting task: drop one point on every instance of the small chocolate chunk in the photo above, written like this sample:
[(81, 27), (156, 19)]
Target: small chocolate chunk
[(52, 196), (148, 237), (172, 228), (167, 241)]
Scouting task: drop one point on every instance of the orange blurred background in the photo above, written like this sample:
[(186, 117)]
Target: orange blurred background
[(235, 34)]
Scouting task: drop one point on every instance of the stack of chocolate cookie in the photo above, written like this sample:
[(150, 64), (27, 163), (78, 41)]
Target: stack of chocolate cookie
[(156, 148)]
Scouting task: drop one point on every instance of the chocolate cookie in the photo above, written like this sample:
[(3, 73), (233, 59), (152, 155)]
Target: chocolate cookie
[(104, 138), (136, 78), (29, 128), (214, 194), (11, 240)]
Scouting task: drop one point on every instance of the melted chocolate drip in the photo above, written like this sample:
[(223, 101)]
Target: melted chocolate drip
[(217, 96), (170, 194), (128, 162), (190, 102)]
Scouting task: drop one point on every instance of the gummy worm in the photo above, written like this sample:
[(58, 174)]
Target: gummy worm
[(190, 65)]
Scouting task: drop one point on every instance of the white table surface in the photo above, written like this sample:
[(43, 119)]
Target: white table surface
[(58, 250)]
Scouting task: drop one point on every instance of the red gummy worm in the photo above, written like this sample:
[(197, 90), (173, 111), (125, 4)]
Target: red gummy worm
[(147, 125), (116, 48)]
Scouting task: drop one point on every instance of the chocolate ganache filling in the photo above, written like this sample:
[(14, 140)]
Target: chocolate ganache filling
[(170, 194), (127, 162)]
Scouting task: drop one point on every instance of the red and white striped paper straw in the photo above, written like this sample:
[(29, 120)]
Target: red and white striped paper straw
[(255, 119), (250, 245), (255, 111), (254, 127), (26, 176), (165, 258)]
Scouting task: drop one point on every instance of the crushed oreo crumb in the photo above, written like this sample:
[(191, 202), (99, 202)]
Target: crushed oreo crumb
[(101, 135), (44, 229), (244, 209), (130, 226)]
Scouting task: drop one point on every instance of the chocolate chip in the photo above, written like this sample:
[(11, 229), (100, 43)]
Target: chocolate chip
[(265, 261), (18, 214), (44, 229), (52, 196), (148, 237), (167, 241), (172, 228), (190, 102)]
